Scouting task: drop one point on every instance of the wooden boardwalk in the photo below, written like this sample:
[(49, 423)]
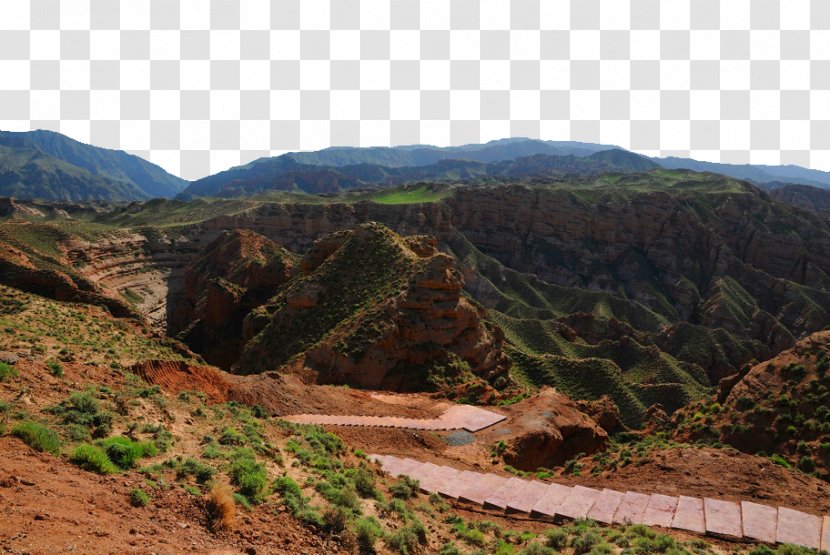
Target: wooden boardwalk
[(725, 519), (457, 417)]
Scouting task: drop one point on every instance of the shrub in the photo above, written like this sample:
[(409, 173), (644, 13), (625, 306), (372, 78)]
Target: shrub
[(220, 509), (55, 368), (450, 549), (807, 464), (471, 535), (243, 501), (92, 458), (124, 452), (367, 530), (7, 371), (438, 502), (536, 549), (37, 436), (404, 487), (583, 543), (779, 460), (336, 519), (230, 436), (248, 475), (292, 495), (556, 538), (83, 409), (404, 540), (191, 467), (192, 490), (364, 481), (139, 498)]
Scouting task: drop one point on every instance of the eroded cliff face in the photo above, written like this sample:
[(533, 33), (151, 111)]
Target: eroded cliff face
[(714, 277), (27, 272), (143, 268), (732, 260)]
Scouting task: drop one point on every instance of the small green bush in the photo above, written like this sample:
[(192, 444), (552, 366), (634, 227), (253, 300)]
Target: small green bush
[(556, 538), (364, 481), (7, 371), (37, 436), (404, 487), (781, 461), (336, 519), (139, 498), (55, 368), (806, 464), (232, 437), (405, 540), (583, 543), (92, 458), (83, 409), (368, 531), (536, 549), (291, 494), (124, 452), (242, 501), (450, 549), (248, 475), (199, 470)]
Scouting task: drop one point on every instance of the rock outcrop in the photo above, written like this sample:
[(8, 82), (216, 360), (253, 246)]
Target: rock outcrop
[(237, 272), (373, 309), (550, 429), (33, 274)]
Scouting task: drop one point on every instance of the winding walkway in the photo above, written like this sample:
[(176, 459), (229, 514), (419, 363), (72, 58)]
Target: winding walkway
[(725, 519), (457, 417)]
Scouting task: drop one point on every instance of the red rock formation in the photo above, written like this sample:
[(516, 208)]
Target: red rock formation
[(233, 275), (548, 430), (372, 309)]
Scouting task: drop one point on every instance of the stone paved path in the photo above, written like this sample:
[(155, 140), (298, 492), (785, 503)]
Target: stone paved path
[(457, 417), (725, 519)]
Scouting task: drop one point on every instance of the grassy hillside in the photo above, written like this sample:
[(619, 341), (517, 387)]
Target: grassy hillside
[(28, 173), (140, 178)]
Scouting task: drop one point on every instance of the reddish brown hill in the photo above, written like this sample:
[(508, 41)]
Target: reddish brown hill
[(373, 309), (776, 407), (234, 274)]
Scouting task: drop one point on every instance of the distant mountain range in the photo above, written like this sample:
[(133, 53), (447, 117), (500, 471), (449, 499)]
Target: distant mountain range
[(285, 173), (49, 166), (758, 174)]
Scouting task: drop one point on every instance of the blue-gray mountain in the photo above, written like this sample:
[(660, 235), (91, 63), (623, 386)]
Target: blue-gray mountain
[(50, 166)]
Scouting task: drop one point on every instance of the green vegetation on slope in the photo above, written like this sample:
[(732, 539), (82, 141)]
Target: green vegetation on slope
[(71, 331), (336, 296), (409, 195), (31, 174)]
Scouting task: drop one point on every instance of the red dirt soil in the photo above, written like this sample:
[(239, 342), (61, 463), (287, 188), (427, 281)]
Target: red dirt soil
[(284, 394), (50, 506)]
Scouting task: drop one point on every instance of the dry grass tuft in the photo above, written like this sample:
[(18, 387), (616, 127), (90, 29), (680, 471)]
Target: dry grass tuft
[(220, 508)]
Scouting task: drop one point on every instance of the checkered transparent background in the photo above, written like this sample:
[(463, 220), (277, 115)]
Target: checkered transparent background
[(199, 85)]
